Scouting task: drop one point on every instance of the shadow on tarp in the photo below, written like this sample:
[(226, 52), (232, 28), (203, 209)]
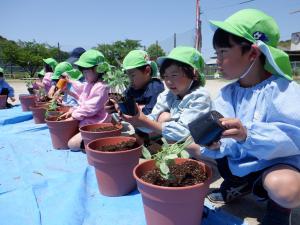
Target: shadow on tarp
[(14, 115)]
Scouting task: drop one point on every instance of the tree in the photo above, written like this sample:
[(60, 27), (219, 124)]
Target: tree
[(9, 52), (31, 55), (116, 52), (155, 51)]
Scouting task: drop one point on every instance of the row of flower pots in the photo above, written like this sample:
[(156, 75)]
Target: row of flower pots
[(118, 172)]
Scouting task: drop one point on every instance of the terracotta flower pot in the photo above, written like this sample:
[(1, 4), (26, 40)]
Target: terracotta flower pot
[(42, 104), (172, 205), (27, 101), (3, 101), (38, 114), (88, 133), (61, 131), (114, 169)]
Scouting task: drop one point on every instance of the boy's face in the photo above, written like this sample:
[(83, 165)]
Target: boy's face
[(176, 81), (231, 62), (138, 79)]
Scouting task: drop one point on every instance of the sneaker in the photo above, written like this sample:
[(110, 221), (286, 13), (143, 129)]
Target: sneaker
[(229, 191), (276, 215)]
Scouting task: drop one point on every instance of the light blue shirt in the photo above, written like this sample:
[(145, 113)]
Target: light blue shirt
[(271, 113), (183, 111)]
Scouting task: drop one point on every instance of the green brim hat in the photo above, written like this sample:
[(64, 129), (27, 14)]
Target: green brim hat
[(1, 70), (61, 68), (51, 62), (41, 72), (187, 55), (138, 58), (90, 59), (262, 30)]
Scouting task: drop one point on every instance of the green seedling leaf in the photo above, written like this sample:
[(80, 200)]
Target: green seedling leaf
[(146, 153), (164, 169)]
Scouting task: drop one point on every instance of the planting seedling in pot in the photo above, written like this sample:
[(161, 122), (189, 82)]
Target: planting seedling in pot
[(144, 86), (64, 73), (173, 187), (6, 89), (183, 101), (92, 96), (49, 67), (38, 83), (259, 151)]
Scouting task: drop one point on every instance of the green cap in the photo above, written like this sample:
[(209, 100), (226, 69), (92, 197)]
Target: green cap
[(103, 67), (138, 58), (60, 69), (90, 59), (51, 62), (261, 29), (1, 70), (187, 55), (41, 72)]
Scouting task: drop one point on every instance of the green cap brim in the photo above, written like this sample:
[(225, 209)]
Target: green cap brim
[(83, 64)]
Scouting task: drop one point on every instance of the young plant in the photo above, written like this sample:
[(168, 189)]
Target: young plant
[(28, 81), (52, 107), (117, 80), (168, 154)]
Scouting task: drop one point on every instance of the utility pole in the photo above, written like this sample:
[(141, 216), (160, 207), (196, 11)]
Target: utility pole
[(59, 56), (198, 34), (156, 45), (174, 40)]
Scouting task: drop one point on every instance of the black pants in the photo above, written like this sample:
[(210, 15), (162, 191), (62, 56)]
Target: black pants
[(4, 91), (254, 179)]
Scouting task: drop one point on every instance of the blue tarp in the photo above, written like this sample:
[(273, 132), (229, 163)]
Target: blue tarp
[(13, 115), (40, 185)]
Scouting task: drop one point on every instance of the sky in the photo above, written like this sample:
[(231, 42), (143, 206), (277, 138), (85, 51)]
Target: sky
[(87, 23)]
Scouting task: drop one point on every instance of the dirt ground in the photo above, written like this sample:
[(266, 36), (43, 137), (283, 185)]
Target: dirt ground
[(246, 208)]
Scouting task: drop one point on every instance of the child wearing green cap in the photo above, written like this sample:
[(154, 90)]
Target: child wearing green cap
[(144, 86), (38, 83), (49, 67), (92, 96), (6, 89), (183, 101), (259, 151)]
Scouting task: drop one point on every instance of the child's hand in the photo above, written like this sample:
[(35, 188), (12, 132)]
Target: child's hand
[(234, 129), (137, 120), (66, 115), (12, 99), (111, 106)]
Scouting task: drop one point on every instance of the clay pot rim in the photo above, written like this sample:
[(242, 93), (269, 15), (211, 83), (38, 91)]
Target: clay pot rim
[(26, 96), (208, 170), (37, 107), (82, 129), (61, 121), (116, 152)]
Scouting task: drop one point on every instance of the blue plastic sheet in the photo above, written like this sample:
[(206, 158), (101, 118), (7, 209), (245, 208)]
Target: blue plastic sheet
[(14, 115), (43, 186)]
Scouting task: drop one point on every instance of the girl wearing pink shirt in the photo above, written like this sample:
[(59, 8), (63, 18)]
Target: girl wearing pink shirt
[(92, 96), (49, 68)]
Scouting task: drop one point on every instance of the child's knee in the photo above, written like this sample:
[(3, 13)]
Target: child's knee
[(283, 185)]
